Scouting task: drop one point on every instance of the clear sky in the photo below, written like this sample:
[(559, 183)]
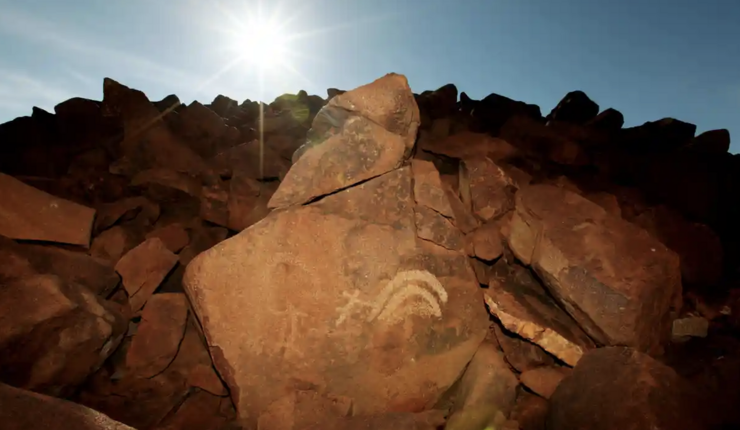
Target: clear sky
[(647, 58)]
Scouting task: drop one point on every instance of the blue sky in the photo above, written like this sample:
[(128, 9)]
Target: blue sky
[(649, 58)]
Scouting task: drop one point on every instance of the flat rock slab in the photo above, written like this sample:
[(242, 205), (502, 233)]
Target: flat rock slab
[(26, 410), (338, 294), (523, 306), (544, 380), (143, 269), (486, 188), (621, 388), (174, 236), (428, 188), (521, 354), (27, 213), (160, 331), (600, 268)]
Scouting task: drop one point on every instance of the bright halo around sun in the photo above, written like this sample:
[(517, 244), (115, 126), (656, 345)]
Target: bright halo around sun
[(263, 42)]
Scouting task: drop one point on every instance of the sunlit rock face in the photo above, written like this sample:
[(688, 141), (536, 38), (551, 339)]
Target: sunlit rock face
[(341, 295)]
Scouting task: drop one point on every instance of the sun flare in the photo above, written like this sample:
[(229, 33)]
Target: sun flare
[(263, 42)]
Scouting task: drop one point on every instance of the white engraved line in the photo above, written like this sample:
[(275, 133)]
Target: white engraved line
[(389, 313), (402, 279)]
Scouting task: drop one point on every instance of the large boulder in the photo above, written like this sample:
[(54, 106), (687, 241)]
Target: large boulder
[(340, 295), (621, 388), (616, 280)]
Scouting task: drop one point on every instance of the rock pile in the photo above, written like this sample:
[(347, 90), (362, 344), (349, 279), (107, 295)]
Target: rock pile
[(376, 260)]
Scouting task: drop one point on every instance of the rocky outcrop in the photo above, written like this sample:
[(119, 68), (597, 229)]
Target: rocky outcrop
[(376, 260)]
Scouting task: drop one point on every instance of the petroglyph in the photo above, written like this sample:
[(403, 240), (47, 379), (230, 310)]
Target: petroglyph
[(401, 297), (291, 317)]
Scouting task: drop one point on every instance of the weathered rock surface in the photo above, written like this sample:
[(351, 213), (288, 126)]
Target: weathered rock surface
[(621, 388), (544, 380), (367, 344), (486, 189), (520, 354), (143, 269), (487, 389), (26, 410), (377, 129), (30, 214), (523, 306), (601, 269), (53, 334)]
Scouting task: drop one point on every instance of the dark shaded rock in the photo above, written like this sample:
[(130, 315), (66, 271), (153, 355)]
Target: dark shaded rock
[(621, 388), (491, 113), (575, 107), (143, 269), (608, 120), (713, 141), (522, 355), (659, 136)]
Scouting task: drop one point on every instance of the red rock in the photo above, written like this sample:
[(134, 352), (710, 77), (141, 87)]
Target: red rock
[(600, 268), (698, 247), (126, 209), (199, 411), (621, 388), (168, 178), (432, 226), (482, 271), (428, 188), (160, 331), (440, 102), (147, 142), (303, 409), (544, 380), (203, 130), (202, 238), (428, 420), (214, 204), (26, 410), (54, 335), (487, 242), (530, 411), (575, 107), (95, 274), (143, 269), (364, 237), (253, 161), (205, 377), (523, 306), (469, 146), (522, 355), (248, 201), (368, 144), (113, 243), (29, 214), (174, 236), (535, 138), (463, 218), (486, 188), (487, 388)]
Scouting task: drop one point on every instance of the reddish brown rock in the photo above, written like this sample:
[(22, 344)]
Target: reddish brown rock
[(428, 188), (173, 236), (600, 268), (143, 269), (535, 138), (469, 146), (200, 411), (530, 411), (252, 160), (482, 271), (523, 306), (370, 141), (168, 178), (126, 209), (621, 388), (698, 247), (147, 141), (202, 238), (248, 200), (463, 217), (30, 214), (432, 226), (113, 243), (26, 410), (53, 335), (160, 331), (429, 420), (544, 380), (609, 119), (486, 189), (522, 355), (214, 204), (487, 388), (356, 343), (72, 267), (205, 377), (487, 242)]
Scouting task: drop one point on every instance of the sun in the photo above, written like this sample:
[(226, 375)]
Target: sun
[(262, 42)]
